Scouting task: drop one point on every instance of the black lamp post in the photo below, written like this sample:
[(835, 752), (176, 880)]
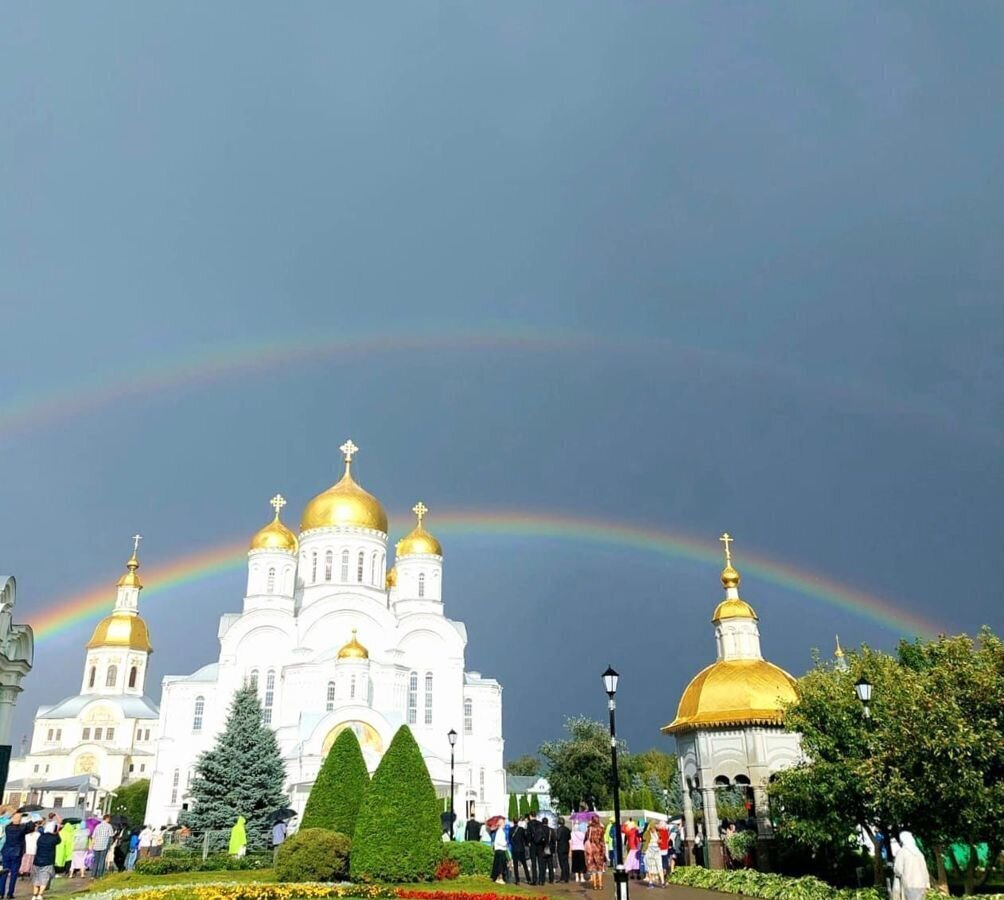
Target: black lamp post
[(452, 737), (610, 679), (863, 688)]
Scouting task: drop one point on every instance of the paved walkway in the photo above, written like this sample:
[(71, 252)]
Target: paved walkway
[(638, 890)]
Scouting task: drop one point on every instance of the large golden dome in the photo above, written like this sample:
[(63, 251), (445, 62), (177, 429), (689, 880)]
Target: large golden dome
[(121, 630), (353, 649), (735, 692), (275, 535), (344, 504), (418, 540), (733, 608)]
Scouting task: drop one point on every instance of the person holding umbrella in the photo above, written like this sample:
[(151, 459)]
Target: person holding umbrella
[(13, 850), (281, 819)]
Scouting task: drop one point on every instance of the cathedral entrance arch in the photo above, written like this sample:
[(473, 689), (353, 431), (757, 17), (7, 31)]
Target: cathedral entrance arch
[(369, 740)]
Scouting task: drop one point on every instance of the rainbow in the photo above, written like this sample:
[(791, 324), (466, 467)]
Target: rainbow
[(232, 556), (33, 410)]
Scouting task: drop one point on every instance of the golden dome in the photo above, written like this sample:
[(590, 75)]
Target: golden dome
[(391, 577), (353, 649), (735, 692), (130, 578), (730, 577), (119, 630), (733, 608), (344, 503), (275, 535), (418, 540)]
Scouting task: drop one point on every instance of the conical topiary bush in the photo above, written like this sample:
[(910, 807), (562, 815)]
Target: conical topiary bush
[(335, 797), (397, 836)]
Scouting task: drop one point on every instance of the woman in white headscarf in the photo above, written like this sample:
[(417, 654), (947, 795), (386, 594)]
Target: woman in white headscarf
[(911, 880)]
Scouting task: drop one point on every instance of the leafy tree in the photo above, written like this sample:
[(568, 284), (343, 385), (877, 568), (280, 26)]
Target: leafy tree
[(528, 764), (534, 803), (524, 807), (335, 797), (578, 767), (656, 771), (513, 808), (930, 758), (397, 836), (242, 775), (130, 801)]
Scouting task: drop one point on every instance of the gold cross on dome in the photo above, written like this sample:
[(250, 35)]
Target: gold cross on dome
[(136, 538), (277, 503), (349, 450), (727, 539), (420, 509)]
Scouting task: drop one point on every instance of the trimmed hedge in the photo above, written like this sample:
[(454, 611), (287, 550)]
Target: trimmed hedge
[(192, 862), (768, 886), (335, 797), (473, 857), (397, 835), (313, 854)]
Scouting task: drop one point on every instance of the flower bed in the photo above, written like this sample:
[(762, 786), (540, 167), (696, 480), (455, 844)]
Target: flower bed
[(306, 891), (767, 886)]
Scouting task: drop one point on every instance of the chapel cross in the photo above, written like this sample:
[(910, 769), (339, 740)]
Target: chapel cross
[(420, 509), (349, 449), (136, 538), (727, 539), (277, 503)]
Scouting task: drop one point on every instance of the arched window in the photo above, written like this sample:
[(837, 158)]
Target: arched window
[(270, 583), (174, 786), (328, 560), (468, 716), (345, 565), (360, 563), (253, 679), (413, 698), (133, 674), (373, 569), (200, 708), (428, 698), (481, 785), (352, 688), (111, 676), (269, 696), (421, 584), (92, 676), (329, 703), (313, 567)]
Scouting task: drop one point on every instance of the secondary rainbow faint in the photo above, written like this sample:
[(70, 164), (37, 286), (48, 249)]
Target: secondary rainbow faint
[(167, 578)]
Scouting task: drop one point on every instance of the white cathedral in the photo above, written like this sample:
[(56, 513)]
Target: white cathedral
[(333, 639)]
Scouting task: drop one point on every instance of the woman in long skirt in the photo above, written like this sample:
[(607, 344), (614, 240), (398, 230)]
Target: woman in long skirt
[(30, 843), (596, 853), (578, 845), (653, 856)]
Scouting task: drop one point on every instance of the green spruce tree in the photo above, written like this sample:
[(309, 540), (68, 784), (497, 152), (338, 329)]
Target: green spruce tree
[(242, 775), (524, 807), (513, 808), (335, 797), (534, 803), (397, 836)]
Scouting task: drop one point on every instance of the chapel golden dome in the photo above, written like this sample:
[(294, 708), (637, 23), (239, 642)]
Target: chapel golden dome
[(344, 503), (733, 608), (275, 535), (121, 630), (353, 649), (418, 540), (129, 577), (735, 692)]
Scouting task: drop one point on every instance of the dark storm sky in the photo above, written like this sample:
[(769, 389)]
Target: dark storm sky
[(780, 225)]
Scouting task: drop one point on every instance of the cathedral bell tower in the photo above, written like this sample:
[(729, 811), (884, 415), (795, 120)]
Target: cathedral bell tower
[(272, 563), (119, 648), (418, 568)]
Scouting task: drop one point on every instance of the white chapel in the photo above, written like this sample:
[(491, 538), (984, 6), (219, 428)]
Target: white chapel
[(336, 637)]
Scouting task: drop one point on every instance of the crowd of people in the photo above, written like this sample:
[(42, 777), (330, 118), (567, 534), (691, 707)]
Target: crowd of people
[(580, 847), (38, 849)]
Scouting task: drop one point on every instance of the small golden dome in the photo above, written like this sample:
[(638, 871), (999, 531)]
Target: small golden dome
[(130, 578), (391, 577), (119, 630), (344, 504), (735, 692), (275, 535), (418, 540), (730, 577), (839, 652), (353, 649), (733, 609)]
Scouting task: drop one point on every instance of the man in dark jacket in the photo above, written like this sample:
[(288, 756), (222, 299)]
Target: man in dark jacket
[(562, 848), (473, 830), (548, 856), (13, 850), (517, 843), (538, 835)]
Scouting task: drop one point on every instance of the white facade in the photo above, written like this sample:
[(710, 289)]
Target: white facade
[(334, 640), (107, 731)]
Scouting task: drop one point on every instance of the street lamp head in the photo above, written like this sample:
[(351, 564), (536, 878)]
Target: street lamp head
[(863, 688), (610, 679), (452, 736)]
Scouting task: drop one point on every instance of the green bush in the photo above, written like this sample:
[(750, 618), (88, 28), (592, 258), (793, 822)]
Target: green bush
[(397, 835), (335, 797), (473, 857), (313, 854), (170, 865), (513, 808), (741, 843)]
